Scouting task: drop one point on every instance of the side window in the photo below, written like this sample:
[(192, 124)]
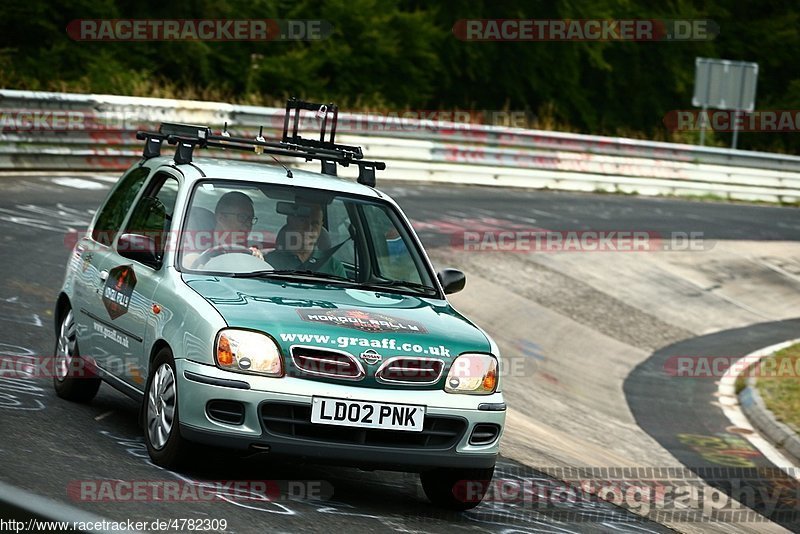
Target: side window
[(152, 216), (117, 206), (391, 247), (339, 231)]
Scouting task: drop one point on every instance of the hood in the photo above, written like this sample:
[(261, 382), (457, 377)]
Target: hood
[(340, 318)]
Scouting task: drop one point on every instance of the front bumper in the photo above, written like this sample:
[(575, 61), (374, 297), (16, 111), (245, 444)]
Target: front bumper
[(198, 384)]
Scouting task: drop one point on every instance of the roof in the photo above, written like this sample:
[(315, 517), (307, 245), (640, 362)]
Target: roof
[(266, 172)]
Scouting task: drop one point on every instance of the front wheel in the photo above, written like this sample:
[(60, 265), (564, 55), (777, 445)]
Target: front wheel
[(456, 489), (72, 379), (162, 435)]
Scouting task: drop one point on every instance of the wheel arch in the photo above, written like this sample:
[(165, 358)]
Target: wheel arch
[(62, 305), (157, 347)]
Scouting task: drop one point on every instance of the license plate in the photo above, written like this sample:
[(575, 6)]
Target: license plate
[(363, 414)]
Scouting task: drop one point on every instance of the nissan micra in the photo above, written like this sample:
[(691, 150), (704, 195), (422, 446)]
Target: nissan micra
[(275, 310)]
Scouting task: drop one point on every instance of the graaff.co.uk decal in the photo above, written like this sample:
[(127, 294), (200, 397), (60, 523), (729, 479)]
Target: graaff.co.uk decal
[(118, 289), (361, 320)]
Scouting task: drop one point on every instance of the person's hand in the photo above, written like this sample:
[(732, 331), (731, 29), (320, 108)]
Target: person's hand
[(255, 251)]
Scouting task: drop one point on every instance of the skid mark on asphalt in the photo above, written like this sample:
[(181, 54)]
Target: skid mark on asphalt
[(18, 392), (531, 349), (723, 448), (58, 219), (137, 448), (31, 319), (497, 516)]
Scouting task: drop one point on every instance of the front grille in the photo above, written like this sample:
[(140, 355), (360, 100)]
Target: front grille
[(409, 370), (225, 411), (294, 420), (328, 363)]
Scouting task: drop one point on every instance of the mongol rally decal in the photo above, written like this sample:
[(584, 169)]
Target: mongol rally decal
[(118, 290), (361, 320)]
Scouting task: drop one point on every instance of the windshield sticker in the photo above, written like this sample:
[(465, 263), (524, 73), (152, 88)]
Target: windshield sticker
[(361, 320), (118, 290)]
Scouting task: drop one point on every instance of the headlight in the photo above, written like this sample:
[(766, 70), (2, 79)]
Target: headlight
[(248, 352), (474, 374)]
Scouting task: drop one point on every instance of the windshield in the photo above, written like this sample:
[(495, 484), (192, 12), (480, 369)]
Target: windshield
[(252, 230)]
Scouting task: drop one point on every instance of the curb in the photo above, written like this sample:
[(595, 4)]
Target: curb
[(765, 422), (735, 407)]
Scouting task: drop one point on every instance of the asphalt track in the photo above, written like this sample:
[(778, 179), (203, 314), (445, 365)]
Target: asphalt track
[(47, 444), (682, 420)]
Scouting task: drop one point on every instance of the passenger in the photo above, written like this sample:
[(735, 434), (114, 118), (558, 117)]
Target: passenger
[(300, 251)]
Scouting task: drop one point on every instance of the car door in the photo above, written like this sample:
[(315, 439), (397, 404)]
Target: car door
[(93, 251), (127, 298)]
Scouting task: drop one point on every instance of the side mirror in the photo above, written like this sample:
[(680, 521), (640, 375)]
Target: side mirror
[(452, 280), (139, 248)]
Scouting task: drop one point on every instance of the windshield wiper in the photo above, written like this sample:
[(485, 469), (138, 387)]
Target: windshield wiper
[(289, 273), (266, 273), (402, 284)]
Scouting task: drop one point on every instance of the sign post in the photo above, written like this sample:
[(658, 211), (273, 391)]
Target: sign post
[(724, 84)]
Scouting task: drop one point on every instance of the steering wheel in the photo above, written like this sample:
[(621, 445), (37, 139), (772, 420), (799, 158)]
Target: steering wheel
[(219, 250)]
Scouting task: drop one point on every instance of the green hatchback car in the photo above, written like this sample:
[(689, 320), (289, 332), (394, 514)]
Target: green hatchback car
[(279, 311)]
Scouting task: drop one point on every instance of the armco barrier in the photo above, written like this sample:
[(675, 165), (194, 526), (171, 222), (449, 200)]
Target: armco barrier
[(22, 511), (412, 149)]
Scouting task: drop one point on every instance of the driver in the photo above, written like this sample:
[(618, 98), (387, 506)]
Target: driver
[(234, 217), (300, 252), (233, 221)]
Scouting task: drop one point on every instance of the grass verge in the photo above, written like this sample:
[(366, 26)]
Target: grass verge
[(779, 385)]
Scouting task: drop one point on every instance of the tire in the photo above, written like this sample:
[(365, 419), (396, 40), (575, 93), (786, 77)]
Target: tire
[(73, 380), (162, 435), (456, 489)]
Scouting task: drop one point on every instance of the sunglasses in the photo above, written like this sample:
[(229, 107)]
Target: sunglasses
[(243, 218)]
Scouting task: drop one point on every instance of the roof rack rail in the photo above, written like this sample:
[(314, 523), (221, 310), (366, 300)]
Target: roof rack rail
[(187, 137)]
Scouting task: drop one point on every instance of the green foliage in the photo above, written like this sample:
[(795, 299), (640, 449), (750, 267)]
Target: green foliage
[(401, 54), (777, 382)]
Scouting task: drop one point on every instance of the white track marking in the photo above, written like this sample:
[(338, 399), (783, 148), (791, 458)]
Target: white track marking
[(78, 183), (106, 179), (778, 269)]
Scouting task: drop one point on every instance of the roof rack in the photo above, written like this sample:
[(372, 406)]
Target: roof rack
[(187, 137)]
